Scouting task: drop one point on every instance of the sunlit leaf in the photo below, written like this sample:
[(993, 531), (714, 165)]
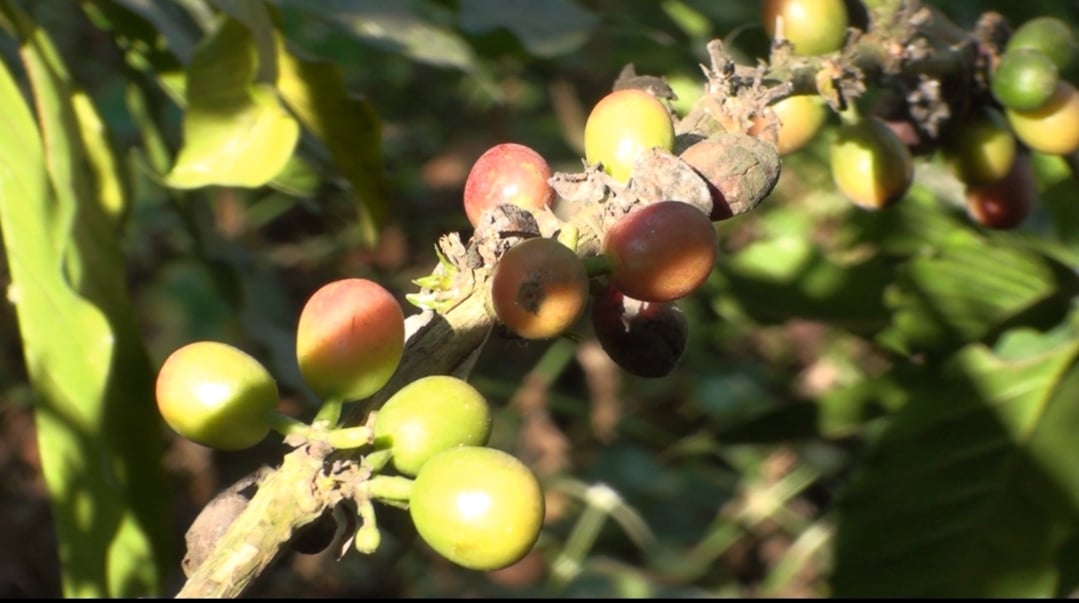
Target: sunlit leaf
[(347, 124), (785, 274), (966, 289), (161, 19), (98, 431), (109, 175), (840, 412), (235, 130), (972, 489), (256, 18)]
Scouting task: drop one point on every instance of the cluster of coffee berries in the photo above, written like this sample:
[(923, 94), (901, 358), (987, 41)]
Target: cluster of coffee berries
[(638, 236), (658, 252), (1028, 107), (477, 506)]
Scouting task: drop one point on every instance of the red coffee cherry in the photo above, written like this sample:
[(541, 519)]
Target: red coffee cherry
[(661, 252), (1005, 203), (507, 173), (646, 339)]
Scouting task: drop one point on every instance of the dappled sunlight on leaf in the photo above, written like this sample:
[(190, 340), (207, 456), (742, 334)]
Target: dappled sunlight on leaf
[(236, 133)]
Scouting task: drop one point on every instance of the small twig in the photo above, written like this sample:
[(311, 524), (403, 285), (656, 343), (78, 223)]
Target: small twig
[(287, 499)]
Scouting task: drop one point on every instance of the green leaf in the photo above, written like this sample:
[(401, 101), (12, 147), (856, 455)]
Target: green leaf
[(785, 274), (151, 41), (98, 430), (298, 178), (838, 413), (417, 29), (968, 288), (971, 490), (158, 19), (346, 124), (922, 221), (236, 133), (548, 29), (256, 18), (110, 179), (1057, 196)]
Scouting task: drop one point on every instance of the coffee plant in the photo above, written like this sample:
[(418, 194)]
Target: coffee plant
[(571, 298)]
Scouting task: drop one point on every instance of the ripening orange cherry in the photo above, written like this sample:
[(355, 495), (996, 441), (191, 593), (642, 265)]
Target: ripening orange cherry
[(539, 288), (800, 118), (350, 339), (1052, 128)]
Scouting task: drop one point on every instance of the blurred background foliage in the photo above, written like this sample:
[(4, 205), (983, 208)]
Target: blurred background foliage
[(871, 403)]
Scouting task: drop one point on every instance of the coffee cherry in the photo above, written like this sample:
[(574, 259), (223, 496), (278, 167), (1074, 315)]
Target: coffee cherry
[(216, 395), (981, 149), (1048, 35), (1024, 80), (704, 158), (812, 26), (428, 416), (622, 125), (350, 339), (508, 173), (539, 287), (870, 165), (1004, 204), (800, 118), (739, 170), (646, 339), (480, 508), (1052, 128), (661, 252)]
